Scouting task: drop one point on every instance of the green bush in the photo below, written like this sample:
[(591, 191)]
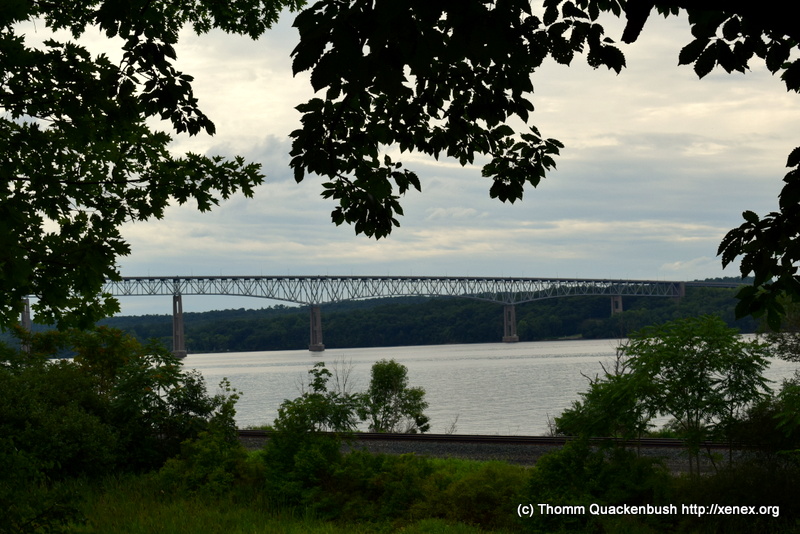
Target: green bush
[(215, 460), (763, 480), (486, 496), (389, 405), (210, 464), (28, 501), (578, 475), (115, 406), (301, 462), (54, 416), (297, 464)]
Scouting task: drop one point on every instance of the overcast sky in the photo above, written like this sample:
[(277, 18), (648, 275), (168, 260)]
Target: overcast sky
[(658, 165)]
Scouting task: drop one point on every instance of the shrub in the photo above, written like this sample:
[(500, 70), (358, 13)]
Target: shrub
[(765, 480), (578, 475), (211, 463), (485, 496), (117, 406), (389, 405)]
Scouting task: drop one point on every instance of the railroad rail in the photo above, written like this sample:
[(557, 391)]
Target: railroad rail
[(660, 443)]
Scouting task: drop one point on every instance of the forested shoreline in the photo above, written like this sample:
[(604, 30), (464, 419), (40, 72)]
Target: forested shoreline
[(428, 321)]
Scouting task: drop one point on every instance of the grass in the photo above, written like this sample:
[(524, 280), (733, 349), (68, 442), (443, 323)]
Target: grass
[(138, 505)]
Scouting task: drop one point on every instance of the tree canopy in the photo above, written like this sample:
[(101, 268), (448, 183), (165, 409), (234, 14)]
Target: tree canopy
[(78, 153), (451, 77), (696, 370), (79, 156)]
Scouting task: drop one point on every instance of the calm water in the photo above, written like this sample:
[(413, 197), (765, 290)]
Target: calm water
[(493, 388)]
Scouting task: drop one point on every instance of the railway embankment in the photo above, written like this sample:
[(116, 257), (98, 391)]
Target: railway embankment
[(521, 450)]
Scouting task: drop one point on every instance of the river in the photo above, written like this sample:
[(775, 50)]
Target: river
[(489, 388)]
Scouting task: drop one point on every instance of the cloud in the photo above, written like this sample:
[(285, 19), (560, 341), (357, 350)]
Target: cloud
[(453, 213), (702, 262)]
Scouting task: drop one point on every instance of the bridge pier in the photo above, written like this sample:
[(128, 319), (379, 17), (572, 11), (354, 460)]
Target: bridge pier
[(315, 341), (616, 304), (510, 324), (178, 341), (26, 323)]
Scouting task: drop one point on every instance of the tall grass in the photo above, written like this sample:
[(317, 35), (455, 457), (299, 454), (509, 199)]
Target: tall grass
[(140, 505)]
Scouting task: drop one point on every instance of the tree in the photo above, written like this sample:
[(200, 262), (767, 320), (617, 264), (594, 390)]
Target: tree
[(78, 156), (447, 78), (117, 406), (612, 407), (698, 371), (389, 405), (318, 409)]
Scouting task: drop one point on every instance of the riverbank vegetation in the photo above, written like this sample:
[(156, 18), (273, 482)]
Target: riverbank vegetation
[(429, 321), (122, 439)]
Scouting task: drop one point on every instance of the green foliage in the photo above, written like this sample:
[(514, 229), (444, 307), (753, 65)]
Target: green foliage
[(374, 487), (302, 463), (577, 475), (768, 248), (421, 77), (297, 456), (318, 409), (136, 504), (366, 488), (478, 497), (772, 425), (389, 405), (56, 419), (611, 408), (117, 406), (215, 459), (755, 481), (209, 465), (78, 155), (699, 372), (30, 503), (695, 370), (785, 341), (788, 412)]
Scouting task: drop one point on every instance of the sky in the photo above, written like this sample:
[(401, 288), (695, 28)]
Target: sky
[(657, 167)]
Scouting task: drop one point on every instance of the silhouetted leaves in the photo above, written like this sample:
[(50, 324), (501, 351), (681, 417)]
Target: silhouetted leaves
[(438, 78), (77, 156)]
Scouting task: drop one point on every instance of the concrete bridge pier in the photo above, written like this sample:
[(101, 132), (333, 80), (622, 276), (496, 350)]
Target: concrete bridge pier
[(616, 304), (178, 341), (315, 342), (510, 324), (26, 323), (25, 317)]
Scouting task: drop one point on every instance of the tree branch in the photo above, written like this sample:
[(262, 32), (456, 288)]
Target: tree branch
[(769, 15)]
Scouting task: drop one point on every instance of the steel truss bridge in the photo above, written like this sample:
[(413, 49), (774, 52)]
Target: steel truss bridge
[(317, 290)]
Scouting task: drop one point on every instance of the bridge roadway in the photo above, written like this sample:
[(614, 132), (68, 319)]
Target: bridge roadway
[(317, 290)]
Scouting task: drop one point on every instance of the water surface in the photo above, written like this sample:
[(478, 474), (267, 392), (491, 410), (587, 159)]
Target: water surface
[(489, 388)]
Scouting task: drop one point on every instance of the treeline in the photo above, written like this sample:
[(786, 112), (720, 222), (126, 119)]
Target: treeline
[(429, 321)]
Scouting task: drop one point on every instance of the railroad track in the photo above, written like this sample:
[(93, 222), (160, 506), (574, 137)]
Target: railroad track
[(660, 443)]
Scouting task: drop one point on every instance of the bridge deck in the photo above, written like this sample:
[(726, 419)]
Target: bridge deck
[(315, 290)]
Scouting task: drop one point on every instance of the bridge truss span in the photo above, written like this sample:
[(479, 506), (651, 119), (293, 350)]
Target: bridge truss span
[(317, 290)]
